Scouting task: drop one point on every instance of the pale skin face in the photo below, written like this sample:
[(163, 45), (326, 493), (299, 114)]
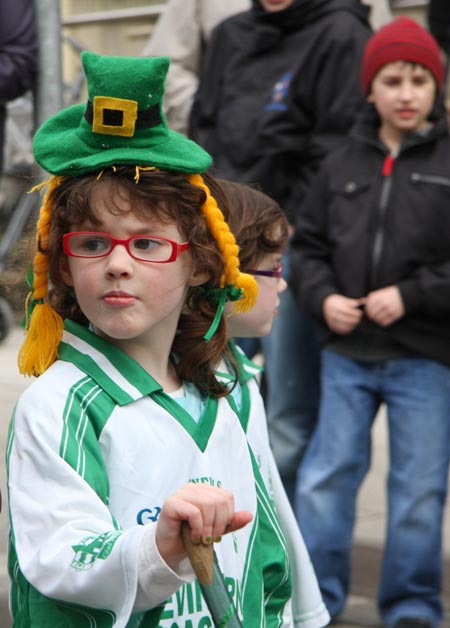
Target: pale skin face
[(272, 6), (257, 322), (403, 95), (136, 306)]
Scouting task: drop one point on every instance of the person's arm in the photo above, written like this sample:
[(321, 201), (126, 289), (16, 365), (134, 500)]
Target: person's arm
[(210, 513), (182, 33), (336, 98), (342, 314), (68, 544), (427, 289), (178, 34), (380, 13), (312, 278), (439, 23), (308, 609), (384, 306), (18, 49), (203, 119)]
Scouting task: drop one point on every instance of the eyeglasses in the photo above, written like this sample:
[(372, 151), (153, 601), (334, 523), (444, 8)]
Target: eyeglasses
[(276, 273), (90, 244)]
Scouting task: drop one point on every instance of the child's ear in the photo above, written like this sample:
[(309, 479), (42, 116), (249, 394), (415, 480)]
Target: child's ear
[(198, 278), (369, 97), (65, 271)]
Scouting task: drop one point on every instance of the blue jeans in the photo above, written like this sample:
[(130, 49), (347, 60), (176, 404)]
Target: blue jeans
[(417, 395), (292, 374)]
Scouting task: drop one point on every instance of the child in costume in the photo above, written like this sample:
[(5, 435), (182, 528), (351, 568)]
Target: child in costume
[(373, 266), (261, 231), (127, 432)]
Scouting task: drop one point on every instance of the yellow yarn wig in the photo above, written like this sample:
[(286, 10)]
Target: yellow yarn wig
[(226, 241), (43, 326)]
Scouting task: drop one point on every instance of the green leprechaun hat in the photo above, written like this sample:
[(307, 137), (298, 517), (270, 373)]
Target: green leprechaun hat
[(122, 123)]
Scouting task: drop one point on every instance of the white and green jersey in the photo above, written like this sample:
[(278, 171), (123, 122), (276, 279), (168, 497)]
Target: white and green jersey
[(95, 447), (308, 609)]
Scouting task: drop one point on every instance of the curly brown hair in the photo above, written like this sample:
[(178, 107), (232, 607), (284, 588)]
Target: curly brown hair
[(256, 221), (171, 198)]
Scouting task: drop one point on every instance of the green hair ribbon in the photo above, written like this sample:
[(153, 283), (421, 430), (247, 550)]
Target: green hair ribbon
[(220, 296), (30, 302)]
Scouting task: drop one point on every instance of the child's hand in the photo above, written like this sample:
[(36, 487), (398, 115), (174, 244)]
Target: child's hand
[(342, 314), (208, 510), (385, 306)]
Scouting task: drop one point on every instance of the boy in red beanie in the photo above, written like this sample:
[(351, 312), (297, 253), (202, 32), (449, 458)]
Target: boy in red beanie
[(372, 265)]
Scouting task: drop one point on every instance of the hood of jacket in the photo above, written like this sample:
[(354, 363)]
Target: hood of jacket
[(302, 12), (271, 26)]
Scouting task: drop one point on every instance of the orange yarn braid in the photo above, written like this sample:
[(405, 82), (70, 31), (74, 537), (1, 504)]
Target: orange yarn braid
[(226, 242), (44, 326)]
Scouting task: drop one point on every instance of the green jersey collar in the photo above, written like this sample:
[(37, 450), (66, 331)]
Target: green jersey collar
[(116, 372)]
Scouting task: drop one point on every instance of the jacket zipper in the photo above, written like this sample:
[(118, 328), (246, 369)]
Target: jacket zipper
[(378, 243), (430, 178)]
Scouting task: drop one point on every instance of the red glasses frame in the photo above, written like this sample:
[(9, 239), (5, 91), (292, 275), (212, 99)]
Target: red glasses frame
[(177, 247)]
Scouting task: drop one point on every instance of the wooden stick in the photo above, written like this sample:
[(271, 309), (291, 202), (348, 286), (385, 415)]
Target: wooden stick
[(201, 556), (212, 583)]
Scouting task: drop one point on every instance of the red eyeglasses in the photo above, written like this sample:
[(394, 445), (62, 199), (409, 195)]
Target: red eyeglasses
[(90, 244)]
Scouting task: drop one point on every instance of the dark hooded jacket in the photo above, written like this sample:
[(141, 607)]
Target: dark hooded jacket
[(370, 222), (18, 54), (279, 91)]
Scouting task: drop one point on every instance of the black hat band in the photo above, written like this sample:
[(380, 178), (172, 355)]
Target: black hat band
[(119, 116)]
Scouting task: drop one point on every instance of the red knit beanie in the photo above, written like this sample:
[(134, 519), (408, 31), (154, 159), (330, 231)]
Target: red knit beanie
[(403, 39)]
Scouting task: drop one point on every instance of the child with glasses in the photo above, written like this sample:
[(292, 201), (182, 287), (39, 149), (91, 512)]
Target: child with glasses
[(261, 231), (128, 431)]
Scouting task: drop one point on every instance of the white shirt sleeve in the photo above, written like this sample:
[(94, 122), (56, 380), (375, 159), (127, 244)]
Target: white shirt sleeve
[(156, 580), (308, 608), (68, 546)]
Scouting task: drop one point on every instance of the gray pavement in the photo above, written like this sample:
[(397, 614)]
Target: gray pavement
[(369, 533)]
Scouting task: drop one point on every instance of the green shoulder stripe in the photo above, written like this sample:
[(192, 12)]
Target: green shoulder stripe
[(86, 412), (274, 555)]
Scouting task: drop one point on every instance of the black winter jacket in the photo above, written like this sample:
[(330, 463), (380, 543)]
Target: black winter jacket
[(370, 222), (18, 54), (279, 91)]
